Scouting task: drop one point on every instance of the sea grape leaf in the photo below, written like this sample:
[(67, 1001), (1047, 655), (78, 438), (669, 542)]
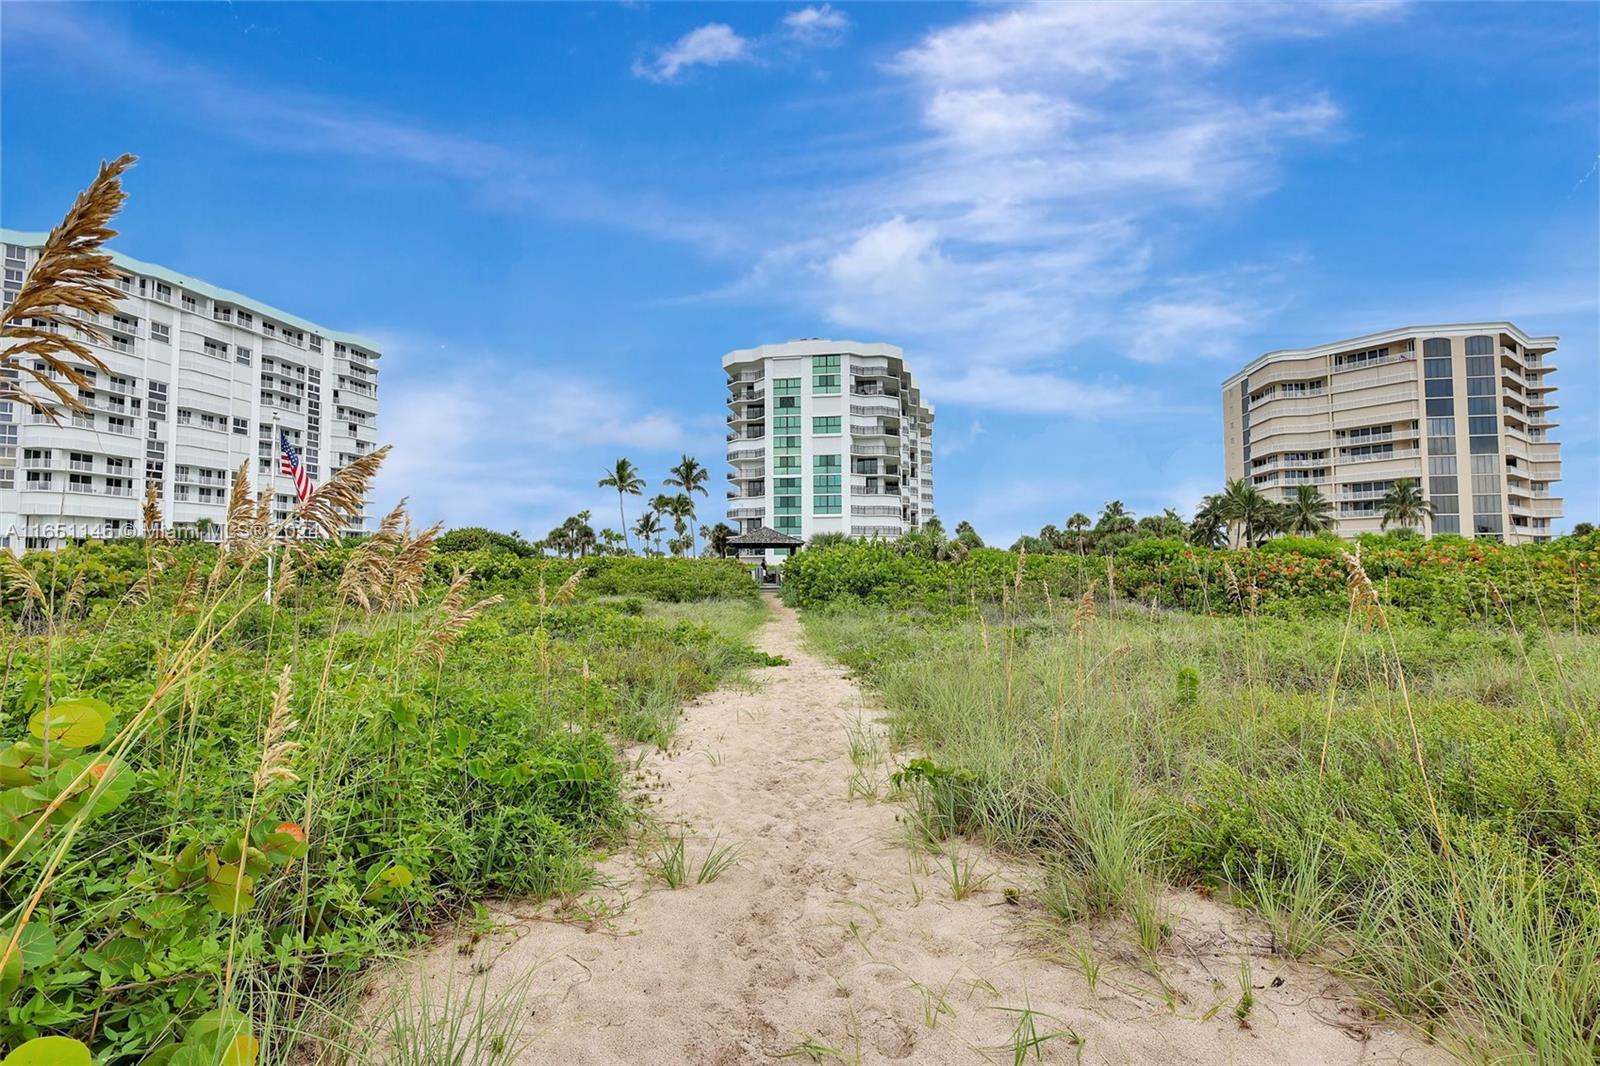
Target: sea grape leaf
[(74, 723), (18, 763), (230, 889), (50, 1051)]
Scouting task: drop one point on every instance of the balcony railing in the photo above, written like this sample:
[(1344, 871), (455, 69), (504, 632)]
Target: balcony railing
[(740, 454), (1398, 453), (872, 449)]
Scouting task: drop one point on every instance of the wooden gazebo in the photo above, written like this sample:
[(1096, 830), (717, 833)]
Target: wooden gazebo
[(761, 537)]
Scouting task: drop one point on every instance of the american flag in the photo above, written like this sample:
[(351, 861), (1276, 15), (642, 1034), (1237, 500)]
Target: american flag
[(289, 462)]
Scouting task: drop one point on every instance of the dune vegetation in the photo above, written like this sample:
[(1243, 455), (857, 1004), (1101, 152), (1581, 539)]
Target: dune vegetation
[(1390, 755), (217, 812)]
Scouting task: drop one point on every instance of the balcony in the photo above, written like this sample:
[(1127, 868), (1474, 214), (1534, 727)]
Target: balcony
[(872, 390), (876, 531), (746, 376), (1379, 457), (873, 449), (879, 405), (736, 455), (874, 429), (748, 396), (748, 511)]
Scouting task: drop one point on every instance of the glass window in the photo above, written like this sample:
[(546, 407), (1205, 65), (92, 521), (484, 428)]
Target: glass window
[(1439, 387), (1436, 368), (1436, 346), (826, 424), (1441, 407), (1480, 345)]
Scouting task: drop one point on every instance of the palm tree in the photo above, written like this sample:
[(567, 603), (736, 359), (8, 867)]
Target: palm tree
[(1308, 512), (1114, 518), (1206, 529), (681, 508), (691, 477), (1077, 524), (1404, 505), (716, 538), (648, 529), (1243, 507), (624, 477)]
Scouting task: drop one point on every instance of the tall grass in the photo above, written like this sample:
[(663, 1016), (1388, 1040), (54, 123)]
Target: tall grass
[(284, 792), (1409, 807)]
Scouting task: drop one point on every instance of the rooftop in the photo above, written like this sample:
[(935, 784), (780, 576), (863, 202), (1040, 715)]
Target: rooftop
[(1400, 333), (206, 289)]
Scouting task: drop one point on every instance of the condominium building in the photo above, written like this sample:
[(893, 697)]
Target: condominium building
[(197, 381), (827, 437), (1464, 410)]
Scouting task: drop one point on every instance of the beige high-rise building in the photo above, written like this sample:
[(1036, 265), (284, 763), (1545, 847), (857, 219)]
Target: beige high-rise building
[(1465, 410)]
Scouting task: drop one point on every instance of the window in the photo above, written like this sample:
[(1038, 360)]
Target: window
[(241, 426), (825, 375), (786, 393), (826, 497), (216, 349), (827, 426), (1438, 347), (185, 416), (160, 331), (241, 354), (163, 292), (1480, 345)]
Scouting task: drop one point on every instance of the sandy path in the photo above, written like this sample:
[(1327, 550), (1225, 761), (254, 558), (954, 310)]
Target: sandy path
[(827, 932)]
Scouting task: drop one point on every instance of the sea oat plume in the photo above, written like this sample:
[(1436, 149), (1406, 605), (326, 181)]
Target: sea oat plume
[(276, 750), (69, 286)]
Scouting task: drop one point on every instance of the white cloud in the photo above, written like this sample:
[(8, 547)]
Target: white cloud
[(1031, 218), (460, 457), (710, 45), (819, 26), (991, 119), (717, 43), (1037, 392)]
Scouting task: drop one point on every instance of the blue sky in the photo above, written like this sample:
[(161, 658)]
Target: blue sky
[(1077, 220)]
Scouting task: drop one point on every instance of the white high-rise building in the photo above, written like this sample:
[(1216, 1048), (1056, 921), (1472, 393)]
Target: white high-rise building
[(827, 437), (198, 380)]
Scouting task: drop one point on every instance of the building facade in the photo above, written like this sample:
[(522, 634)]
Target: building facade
[(1464, 410), (827, 437), (198, 380)]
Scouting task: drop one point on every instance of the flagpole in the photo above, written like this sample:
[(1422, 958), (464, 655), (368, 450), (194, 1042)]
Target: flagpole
[(272, 466)]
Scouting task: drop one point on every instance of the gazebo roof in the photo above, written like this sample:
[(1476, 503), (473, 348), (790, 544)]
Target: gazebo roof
[(764, 537)]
